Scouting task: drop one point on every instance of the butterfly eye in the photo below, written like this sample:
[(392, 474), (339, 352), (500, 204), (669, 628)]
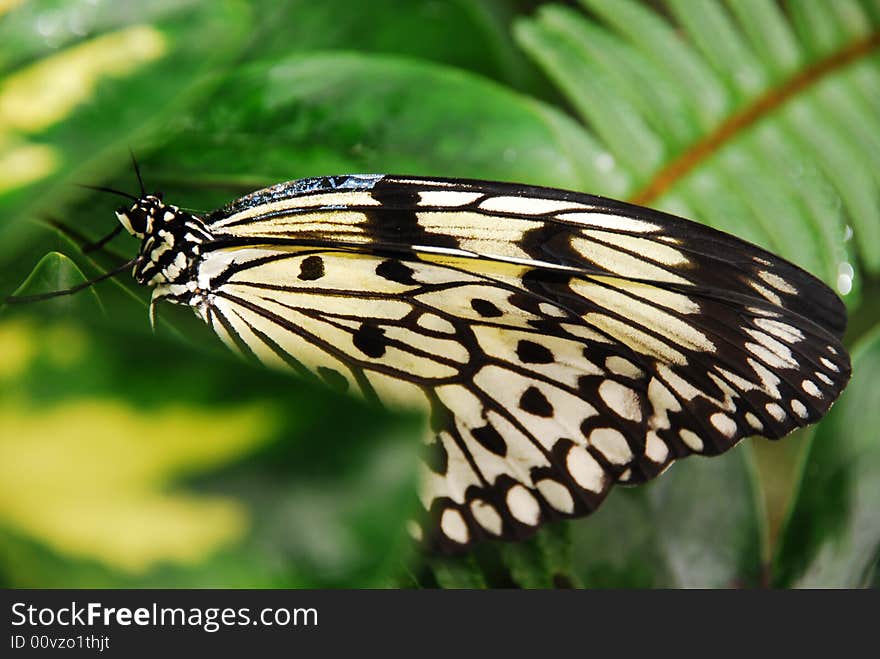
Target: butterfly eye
[(135, 219)]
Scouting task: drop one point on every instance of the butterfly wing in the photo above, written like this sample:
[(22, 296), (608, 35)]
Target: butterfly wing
[(561, 342)]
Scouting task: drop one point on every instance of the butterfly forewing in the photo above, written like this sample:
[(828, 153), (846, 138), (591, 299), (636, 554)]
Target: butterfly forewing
[(560, 342)]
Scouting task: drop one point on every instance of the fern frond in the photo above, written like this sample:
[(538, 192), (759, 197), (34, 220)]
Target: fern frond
[(759, 119)]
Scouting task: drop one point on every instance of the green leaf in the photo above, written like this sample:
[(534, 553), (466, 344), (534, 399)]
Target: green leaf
[(825, 27), (526, 564), (763, 21), (68, 113), (697, 526), (722, 44), (457, 572), (33, 30), (628, 71), (331, 113), (542, 561), (616, 120), (468, 34), (56, 272), (832, 536), (661, 44), (133, 461)]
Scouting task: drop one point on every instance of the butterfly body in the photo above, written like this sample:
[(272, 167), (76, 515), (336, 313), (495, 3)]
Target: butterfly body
[(560, 342)]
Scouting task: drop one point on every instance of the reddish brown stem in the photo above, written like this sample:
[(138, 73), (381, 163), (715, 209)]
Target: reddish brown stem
[(735, 124)]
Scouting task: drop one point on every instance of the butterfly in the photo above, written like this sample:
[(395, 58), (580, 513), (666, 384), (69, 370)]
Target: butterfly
[(559, 342)]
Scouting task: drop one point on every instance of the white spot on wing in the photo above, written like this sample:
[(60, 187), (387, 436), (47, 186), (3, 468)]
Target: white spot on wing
[(523, 505), (621, 263), (678, 384), (453, 526), (624, 367), (447, 197), (777, 282), (585, 333), (723, 423), (769, 380), (638, 312), (767, 356), (623, 401), (662, 402), (459, 473), (691, 440), (810, 387), (612, 444), (831, 366), (799, 408), (609, 221), (584, 469), (528, 205), (766, 293), (659, 296), (754, 421), (552, 310), (780, 330), (782, 352), (434, 322), (655, 448), (775, 411), (644, 247), (740, 383), (486, 516), (556, 494), (758, 311), (635, 338), (297, 202)]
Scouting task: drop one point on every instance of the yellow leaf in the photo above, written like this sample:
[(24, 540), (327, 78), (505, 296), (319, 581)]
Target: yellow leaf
[(90, 478)]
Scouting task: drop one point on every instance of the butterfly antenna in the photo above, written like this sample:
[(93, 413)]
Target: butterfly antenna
[(91, 247), (73, 289), (101, 188), (137, 171), (98, 244)]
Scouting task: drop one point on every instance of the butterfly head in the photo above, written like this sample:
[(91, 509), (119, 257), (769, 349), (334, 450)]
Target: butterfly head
[(145, 215), (170, 239)]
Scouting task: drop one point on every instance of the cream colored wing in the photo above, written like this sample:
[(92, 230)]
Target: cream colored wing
[(544, 386)]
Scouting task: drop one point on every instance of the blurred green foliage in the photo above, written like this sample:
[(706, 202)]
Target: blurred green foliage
[(129, 458)]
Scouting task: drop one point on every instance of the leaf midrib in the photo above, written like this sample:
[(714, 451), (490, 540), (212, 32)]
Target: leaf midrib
[(740, 121)]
